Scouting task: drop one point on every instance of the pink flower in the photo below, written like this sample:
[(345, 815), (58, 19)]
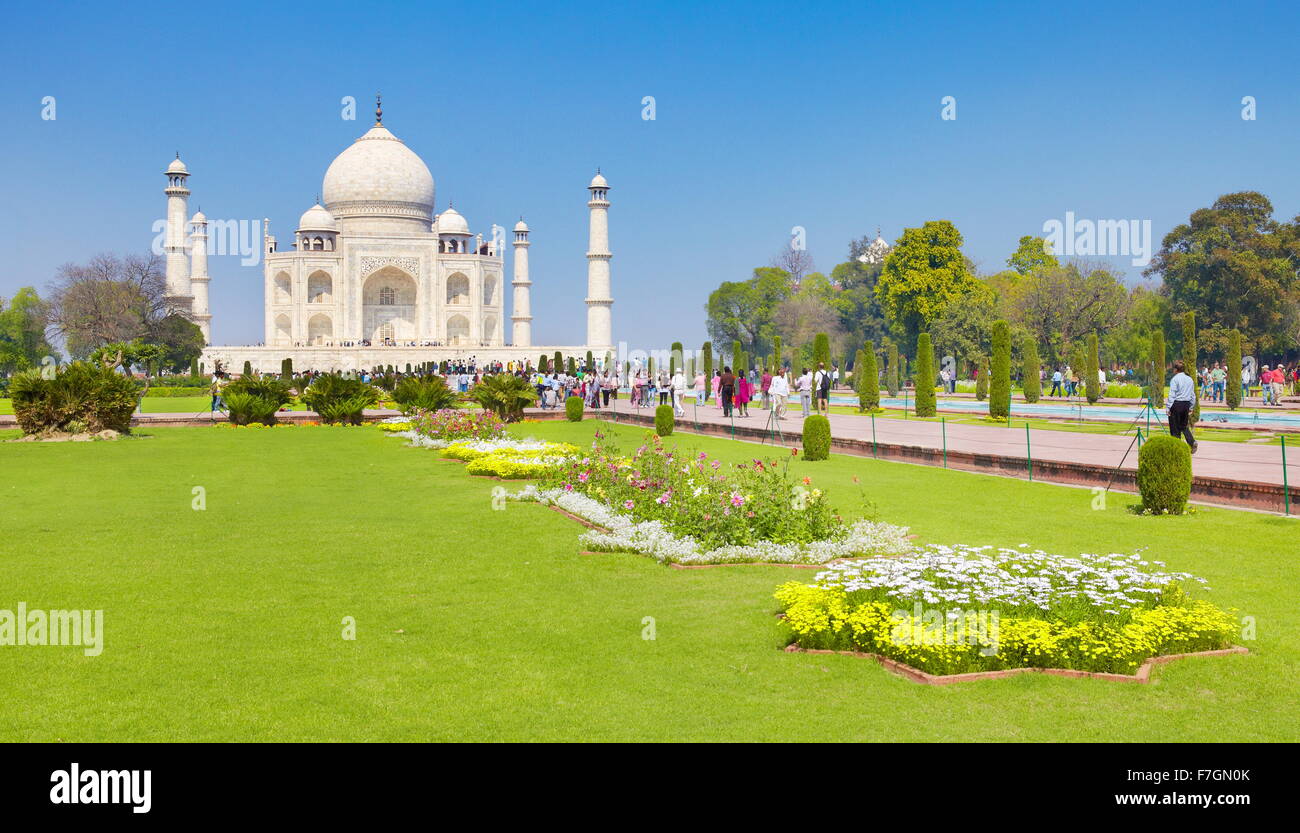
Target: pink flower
[(737, 499), (663, 499), (627, 504), (716, 465), (568, 487), (582, 478)]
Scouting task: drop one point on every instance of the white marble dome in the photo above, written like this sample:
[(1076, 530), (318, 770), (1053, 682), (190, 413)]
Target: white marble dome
[(452, 221), (317, 218), (378, 178), (521, 225), (177, 167)]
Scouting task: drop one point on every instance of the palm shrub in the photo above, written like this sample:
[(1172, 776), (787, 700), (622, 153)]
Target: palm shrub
[(924, 378), (1189, 360), (664, 420), (1233, 392), (1091, 367), (338, 399), (251, 399), (1164, 475), (1033, 386), (982, 380), (817, 437), (891, 369), (573, 408), (505, 395), (82, 396), (1000, 372), (869, 378), (423, 393)]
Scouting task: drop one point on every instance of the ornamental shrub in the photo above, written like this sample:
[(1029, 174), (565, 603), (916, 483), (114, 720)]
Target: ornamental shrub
[(1091, 370), (664, 420), (1033, 386), (248, 368), (424, 393), (1164, 475), (822, 351), (505, 395), (1234, 369), (573, 408), (286, 369), (1156, 382), (250, 399), (868, 378), (924, 378), (816, 437), (81, 397), (891, 369), (982, 380), (338, 399), (1000, 372), (1189, 361)]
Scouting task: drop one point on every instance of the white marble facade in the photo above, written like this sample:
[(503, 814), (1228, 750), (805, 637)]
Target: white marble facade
[(372, 276)]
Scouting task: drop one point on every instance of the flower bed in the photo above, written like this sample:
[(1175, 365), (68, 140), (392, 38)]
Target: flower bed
[(953, 610), (621, 532), (457, 424), (509, 458)]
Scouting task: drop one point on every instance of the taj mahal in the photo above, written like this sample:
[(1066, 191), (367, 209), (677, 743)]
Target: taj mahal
[(374, 277)]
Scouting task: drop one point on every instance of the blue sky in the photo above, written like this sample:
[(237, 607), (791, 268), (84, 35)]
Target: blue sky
[(769, 115)]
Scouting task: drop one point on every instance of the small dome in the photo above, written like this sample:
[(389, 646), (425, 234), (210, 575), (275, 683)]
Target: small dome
[(451, 222), (198, 218), (521, 225), (317, 218), (598, 181), (177, 167)]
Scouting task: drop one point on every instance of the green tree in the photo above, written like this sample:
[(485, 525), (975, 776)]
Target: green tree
[(1059, 306), (891, 368), (1156, 383), (1236, 268), (923, 274), (1033, 386), (982, 380), (1000, 372), (1034, 254), (924, 378), (1091, 370), (868, 378), (743, 310), (22, 331), (1189, 359), (822, 350), (1233, 385)]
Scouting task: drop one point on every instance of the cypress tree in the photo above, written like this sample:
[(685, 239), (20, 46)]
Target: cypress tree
[(1156, 383), (868, 378), (708, 368), (891, 369), (572, 366), (543, 365), (1189, 359), (675, 358), (776, 354), (558, 362), (1000, 372), (1233, 382), (248, 368), (821, 351), (194, 367), (924, 378), (982, 381), (591, 362), (1033, 386), (1091, 382), (286, 369)]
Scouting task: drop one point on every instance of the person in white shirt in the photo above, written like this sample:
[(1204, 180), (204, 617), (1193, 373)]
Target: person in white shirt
[(779, 390), (679, 390), (803, 387), (1182, 394)]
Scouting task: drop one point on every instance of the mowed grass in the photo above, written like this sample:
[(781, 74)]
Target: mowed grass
[(479, 624)]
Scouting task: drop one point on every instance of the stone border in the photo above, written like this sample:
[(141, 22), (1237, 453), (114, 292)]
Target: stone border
[(677, 566), (916, 675)]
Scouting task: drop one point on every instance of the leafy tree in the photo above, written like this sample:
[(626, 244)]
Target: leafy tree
[(923, 274), (1189, 359), (924, 379), (891, 369), (1233, 392), (1060, 305), (743, 310), (1034, 254), (1000, 372), (868, 378), (1091, 369), (1236, 268), (108, 300), (966, 326), (22, 331), (181, 341), (1033, 386)]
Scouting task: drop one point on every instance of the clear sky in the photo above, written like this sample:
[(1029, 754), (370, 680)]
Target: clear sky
[(768, 116)]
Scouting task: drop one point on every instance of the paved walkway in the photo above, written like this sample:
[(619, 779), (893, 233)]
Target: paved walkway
[(1231, 461)]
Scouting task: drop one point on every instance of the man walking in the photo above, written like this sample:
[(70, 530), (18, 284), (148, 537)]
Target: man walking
[(778, 391), (1182, 393), (803, 387), (822, 385), (726, 390)]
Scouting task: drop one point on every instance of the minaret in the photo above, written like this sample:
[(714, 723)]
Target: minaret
[(521, 315), (599, 330), (177, 297), (199, 274)]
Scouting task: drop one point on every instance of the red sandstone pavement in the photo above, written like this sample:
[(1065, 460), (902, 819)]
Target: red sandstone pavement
[(1232, 461)]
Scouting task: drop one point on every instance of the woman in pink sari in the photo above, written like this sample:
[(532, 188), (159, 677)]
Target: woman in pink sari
[(743, 391), (717, 388)]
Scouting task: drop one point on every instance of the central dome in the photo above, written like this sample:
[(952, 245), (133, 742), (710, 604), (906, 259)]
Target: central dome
[(379, 184)]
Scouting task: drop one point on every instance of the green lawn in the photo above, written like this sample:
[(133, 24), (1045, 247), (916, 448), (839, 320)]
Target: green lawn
[(225, 624)]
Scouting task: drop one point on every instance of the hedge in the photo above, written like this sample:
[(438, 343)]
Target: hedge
[(1164, 475), (816, 437), (165, 392)]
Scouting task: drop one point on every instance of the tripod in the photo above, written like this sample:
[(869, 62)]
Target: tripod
[(772, 429), (1138, 433)]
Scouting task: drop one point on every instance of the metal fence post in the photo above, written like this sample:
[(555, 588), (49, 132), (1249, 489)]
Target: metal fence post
[(1029, 454)]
